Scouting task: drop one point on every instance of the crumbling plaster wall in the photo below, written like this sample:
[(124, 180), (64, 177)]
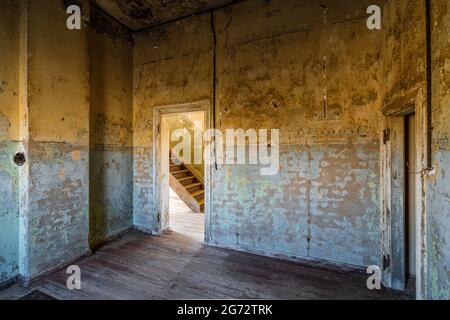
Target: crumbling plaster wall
[(55, 216), (404, 49), (311, 70), (111, 105), (404, 70), (9, 140), (172, 64), (404, 78), (439, 185), (48, 74)]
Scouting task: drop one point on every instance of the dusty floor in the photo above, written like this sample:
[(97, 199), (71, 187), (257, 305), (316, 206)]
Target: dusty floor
[(178, 266)]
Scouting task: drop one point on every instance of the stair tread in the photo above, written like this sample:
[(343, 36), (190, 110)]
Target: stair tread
[(193, 185), (179, 171), (186, 178), (197, 193)]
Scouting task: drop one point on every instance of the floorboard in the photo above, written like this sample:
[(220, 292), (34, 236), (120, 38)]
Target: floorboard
[(178, 265), (183, 220)]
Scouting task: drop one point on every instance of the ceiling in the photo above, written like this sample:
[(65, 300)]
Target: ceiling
[(141, 14)]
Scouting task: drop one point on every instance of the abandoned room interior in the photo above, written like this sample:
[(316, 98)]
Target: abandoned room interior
[(340, 110)]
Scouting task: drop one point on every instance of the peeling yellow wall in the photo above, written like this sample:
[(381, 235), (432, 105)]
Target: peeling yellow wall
[(404, 48), (58, 97), (310, 69), (172, 64), (9, 71), (111, 56), (441, 75)]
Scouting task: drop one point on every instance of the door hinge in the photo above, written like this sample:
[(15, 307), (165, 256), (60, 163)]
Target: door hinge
[(386, 135), (158, 217), (159, 128), (386, 261)]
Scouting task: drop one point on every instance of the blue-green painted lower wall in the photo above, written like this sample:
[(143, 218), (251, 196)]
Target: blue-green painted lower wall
[(57, 215), (438, 239), (323, 204), (143, 217), (313, 208), (9, 213), (57, 220), (111, 192)]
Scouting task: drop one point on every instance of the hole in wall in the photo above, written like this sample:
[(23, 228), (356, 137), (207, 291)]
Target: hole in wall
[(19, 159)]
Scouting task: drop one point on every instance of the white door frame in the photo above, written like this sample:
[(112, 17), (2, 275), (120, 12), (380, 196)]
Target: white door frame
[(158, 176)]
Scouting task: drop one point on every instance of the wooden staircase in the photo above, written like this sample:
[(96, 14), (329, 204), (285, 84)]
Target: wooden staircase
[(188, 187)]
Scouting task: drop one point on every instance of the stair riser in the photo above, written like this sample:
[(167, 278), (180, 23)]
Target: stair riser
[(199, 197), (176, 168), (180, 175), (194, 189), (188, 182)]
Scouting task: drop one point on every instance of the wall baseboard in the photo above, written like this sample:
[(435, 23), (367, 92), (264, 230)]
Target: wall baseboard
[(305, 261), (109, 238), (27, 281), (145, 230), (8, 283)]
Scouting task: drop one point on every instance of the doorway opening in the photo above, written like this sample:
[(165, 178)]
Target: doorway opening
[(399, 261), (181, 179), (186, 171), (404, 150)]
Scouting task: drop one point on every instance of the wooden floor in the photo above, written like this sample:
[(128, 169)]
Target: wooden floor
[(184, 221), (178, 266)]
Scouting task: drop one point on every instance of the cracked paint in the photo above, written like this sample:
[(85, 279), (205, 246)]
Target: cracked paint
[(324, 203), (9, 142), (438, 202), (110, 151), (312, 70)]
